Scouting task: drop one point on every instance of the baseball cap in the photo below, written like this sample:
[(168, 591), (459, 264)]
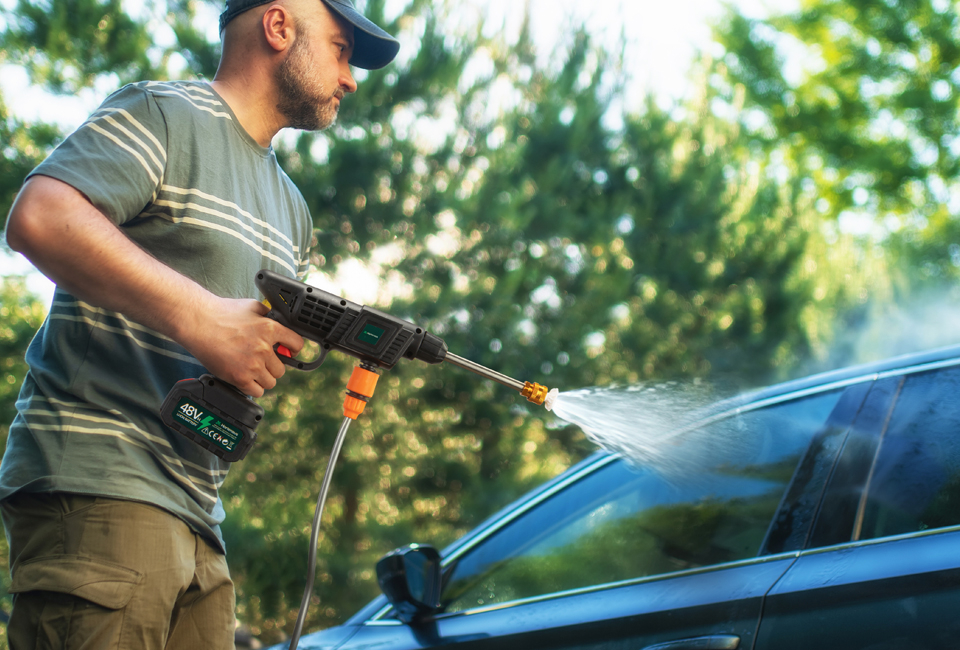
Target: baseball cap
[(373, 48)]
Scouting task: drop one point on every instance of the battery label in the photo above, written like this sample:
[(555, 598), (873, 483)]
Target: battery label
[(207, 424)]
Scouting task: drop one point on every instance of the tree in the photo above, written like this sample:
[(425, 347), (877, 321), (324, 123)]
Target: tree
[(858, 100)]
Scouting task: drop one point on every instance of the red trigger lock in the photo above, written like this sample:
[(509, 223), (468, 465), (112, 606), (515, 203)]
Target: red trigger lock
[(282, 350)]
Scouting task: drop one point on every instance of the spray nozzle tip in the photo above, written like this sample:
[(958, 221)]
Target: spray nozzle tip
[(534, 392), (551, 399)]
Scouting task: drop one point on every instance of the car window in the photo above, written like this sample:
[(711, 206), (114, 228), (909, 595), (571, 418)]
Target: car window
[(625, 521), (914, 483), (791, 529), (838, 504)]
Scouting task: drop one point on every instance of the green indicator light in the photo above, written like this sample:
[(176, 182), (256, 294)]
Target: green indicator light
[(370, 334)]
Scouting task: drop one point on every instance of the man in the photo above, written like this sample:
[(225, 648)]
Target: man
[(153, 218)]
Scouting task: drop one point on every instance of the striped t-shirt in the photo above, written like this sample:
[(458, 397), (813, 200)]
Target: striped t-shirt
[(169, 163)]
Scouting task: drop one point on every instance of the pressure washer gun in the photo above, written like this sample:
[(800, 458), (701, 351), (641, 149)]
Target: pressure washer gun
[(223, 420)]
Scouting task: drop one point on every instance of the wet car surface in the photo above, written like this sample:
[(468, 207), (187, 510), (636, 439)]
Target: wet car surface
[(832, 520)]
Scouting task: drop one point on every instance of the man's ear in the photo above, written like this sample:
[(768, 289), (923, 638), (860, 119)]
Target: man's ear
[(278, 27)]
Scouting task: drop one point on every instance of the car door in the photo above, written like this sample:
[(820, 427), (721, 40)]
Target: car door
[(620, 556), (883, 568)]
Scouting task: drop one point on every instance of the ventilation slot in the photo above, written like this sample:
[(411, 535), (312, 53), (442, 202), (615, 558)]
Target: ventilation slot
[(392, 354), (320, 316)]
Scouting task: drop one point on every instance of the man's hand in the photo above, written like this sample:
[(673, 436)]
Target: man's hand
[(237, 346), (77, 247)]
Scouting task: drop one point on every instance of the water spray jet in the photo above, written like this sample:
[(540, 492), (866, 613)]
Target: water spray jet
[(654, 426)]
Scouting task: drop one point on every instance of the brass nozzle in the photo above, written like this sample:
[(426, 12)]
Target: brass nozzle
[(534, 392)]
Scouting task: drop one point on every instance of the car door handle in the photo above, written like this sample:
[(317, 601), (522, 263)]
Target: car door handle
[(713, 642)]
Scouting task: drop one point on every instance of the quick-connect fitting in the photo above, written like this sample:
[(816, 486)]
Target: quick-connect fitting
[(360, 389), (534, 392)]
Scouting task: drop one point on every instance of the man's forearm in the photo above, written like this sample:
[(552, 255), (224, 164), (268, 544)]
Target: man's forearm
[(76, 246)]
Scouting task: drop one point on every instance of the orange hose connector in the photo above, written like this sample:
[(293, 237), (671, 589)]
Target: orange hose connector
[(359, 389)]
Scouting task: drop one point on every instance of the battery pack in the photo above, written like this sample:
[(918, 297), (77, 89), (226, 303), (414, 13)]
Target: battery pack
[(213, 414)]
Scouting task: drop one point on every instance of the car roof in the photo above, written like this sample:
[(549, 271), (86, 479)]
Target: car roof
[(914, 362)]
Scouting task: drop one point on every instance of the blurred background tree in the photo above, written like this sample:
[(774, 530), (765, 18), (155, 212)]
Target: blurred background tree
[(857, 101), (517, 207)]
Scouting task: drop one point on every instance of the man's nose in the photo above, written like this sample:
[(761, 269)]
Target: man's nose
[(347, 82)]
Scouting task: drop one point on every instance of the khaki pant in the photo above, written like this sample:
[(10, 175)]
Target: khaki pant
[(92, 573)]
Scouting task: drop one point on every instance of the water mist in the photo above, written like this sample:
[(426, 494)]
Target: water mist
[(657, 426)]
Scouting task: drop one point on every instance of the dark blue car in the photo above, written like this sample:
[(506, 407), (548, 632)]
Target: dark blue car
[(831, 519)]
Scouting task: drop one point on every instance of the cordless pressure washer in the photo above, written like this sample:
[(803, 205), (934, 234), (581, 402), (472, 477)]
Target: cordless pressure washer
[(223, 420)]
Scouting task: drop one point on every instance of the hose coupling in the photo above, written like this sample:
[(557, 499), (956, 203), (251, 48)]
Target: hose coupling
[(360, 389)]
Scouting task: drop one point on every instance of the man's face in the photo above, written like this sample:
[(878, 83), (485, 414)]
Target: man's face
[(315, 75)]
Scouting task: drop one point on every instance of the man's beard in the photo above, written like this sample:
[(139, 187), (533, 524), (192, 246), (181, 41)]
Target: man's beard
[(303, 100)]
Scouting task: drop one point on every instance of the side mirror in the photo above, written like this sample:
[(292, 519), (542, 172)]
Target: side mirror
[(410, 579)]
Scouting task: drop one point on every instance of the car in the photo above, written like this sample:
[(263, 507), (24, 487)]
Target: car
[(832, 520)]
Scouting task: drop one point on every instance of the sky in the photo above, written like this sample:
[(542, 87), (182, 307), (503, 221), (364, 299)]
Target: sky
[(662, 38)]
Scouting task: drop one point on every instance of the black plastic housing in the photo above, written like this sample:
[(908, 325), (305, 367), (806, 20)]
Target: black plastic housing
[(339, 324), (213, 414)]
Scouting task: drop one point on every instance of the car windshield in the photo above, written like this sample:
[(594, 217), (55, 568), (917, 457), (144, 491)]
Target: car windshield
[(626, 521)]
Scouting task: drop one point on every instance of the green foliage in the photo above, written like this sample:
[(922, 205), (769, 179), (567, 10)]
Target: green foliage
[(66, 44), (861, 98), (876, 101), (201, 55), (20, 315), (24, 146)]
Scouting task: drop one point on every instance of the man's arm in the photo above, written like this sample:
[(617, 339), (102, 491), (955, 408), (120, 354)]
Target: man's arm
[(85, 253)]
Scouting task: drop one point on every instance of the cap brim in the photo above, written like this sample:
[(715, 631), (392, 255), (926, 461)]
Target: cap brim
[(373, 48)]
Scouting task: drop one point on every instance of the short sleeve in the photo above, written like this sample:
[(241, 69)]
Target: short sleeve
[(306, 242), (117, 157)]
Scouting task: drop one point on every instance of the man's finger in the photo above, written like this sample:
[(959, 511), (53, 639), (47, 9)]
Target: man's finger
[(267, 381), (290, 340), (253, 389), (276, 367)]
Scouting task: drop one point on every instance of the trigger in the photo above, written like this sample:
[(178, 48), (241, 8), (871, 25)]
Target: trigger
[(283, 351)]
